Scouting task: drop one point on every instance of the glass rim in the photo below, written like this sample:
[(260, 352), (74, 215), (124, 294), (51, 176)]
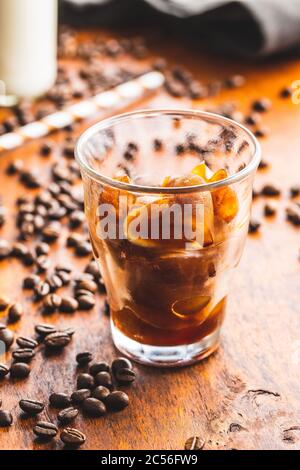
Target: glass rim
[(108, 122)]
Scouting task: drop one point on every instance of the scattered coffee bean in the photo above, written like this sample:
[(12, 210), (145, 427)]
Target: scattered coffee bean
[(270, 190), (30, 282), (269, 210), (46, 149), (15, 312), (51, 303), (194, 443), (84, 358), (80, 395), (86, 302), (88, 285), (44, 329), (98, 367), (59, 400), (94, 407), (19, 370), (85, 381), (72, 437), (254, 226), (24, 342), (45, 430), (83, 249), (23, 355), (57, 340), (42, 290), (4, 303), (117, 401), (68, 305), (67, 415), (104, 379), (42, 249), (262, 105), (294, 191), (14, 167), (286, 92), (120, 363), (5, 249), (235, 81), (6, 336), (31, 407), (293, 214), (4, 370), (101, 393), (125, 376), (6, 419)]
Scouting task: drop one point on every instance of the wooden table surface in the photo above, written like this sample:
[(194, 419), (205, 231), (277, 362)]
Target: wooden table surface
[(245, 396)]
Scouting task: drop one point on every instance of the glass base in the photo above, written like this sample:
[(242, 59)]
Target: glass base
[(165, 356)]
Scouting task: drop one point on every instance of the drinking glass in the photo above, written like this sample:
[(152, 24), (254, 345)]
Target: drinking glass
[(167, 200)]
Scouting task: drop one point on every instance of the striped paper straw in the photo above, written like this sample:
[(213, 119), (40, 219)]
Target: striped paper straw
[(105, 102)]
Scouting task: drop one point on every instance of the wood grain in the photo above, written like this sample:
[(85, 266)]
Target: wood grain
[(247, 395)]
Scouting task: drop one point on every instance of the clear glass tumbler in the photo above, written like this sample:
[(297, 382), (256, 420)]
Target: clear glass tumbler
[(167, 199)]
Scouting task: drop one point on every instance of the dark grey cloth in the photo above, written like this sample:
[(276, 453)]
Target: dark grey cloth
[(248, 27)]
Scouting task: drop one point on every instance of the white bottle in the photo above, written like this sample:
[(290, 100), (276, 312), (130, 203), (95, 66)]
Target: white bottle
[(28, 47)]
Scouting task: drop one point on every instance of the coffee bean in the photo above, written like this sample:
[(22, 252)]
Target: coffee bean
[(120, 363), (85, 381), (253, 119), (19, 250), (101, 393), (59, 400), (45, 430), (65, 277), (69, 331), (31, 407), (54, 282), (254, 226), (80, 395), (19, 370), (6, 336), (235, 81), (262, 105), (42, 290), (43, 263), (84, 358), (68, 305), (57, 340), (125, 376), (46, 149), (88, 285), (6, 419), (24, 342), (67, 415), (83, 249), (269, 210), (30, 282), (92, 268), (52, 231), (194, 443), (15, 312), (44, 329), (74, 239), (72, 437), (104, 379), (98, 367), (94, 407), (86, 302), (117, 401), (63, 267), (14, 167), (261, 131), (4, 303), (76, 218), (42, 249), (4, 370), (51, 303), (294, 191), (292, 215), (5, 249), (270, 190), (286, 92), (23, 355)]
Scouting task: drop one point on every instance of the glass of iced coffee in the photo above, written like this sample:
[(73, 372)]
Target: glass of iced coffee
[(167, 199)]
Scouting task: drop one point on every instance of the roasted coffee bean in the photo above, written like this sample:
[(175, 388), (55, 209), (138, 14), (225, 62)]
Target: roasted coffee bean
[(194, 443), (45, 430), (157, 145), (4, 370), (19, 370), (44, 329), (67, 415), (52, 231), (253, 119), (269, 210), (92, 268), (68, 305), (286, 92), (270, 190), (51, 303), (42, 249), (76, 219), (262, 105), (42, 289), (74, 239), (15, 312), (72, 437), (31, 281), (23, 355), (43, 263), (6, 419), (80, 395), (125, 376), (261, 132), (57, 340), (104, 379), (83, 249), (6, 336), (88, 285), (80, 292), (31, 407), (4, 303), (30, 179), (94, 407), (120, 363), (14, 167), (5, 249), (101, 393), (117, 401), (63, 267), (85, 381), (19, 250), (65, 277), (295, 191), (45, 149), (235, 81), (254, 226), (69, 331), (84, 358), (86, 302), (263, 164), (292, 215), (97, 367), (59, 400), (24, 342)]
